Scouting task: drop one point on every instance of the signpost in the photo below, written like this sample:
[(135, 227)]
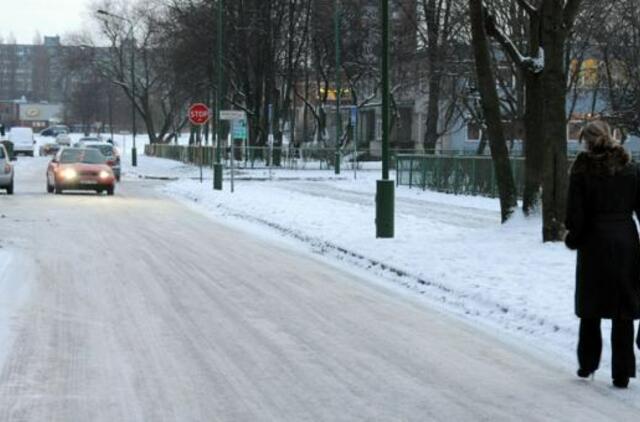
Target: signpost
[(232, 115), (238, 119), (199, 115), (239, 129)]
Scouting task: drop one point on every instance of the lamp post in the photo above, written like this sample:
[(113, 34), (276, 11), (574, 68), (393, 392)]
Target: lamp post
[(217, 167), (338, 86), (134, 151), (385, 189)]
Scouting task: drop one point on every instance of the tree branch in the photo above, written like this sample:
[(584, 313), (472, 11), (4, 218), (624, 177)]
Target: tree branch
[(530, 64), (528, 7)]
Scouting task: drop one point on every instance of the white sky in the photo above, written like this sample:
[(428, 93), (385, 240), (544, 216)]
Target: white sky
[(50, 17)]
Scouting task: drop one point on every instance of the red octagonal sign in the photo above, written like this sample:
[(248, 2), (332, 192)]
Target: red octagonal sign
[(198, 114)]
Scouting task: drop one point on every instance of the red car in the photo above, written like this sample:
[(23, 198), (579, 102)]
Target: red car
[(80, 169)]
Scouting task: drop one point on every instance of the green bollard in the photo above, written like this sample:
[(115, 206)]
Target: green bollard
[(385, 203), (217, 176)]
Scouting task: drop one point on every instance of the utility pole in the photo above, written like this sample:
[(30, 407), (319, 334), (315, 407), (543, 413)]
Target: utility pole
[(217, 167), (385, 188), (338, 86)]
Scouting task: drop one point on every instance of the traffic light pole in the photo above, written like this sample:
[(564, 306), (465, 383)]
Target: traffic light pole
[(217, 167), (134, 151), (385, 188)]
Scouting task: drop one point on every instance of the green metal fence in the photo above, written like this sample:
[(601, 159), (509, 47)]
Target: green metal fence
[(249, 157), (309, 158), (454, 174)]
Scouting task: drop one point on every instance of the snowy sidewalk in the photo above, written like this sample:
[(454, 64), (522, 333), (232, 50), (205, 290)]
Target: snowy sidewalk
[(450, 250)]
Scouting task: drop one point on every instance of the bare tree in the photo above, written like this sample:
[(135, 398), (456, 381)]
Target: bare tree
[(491, 109)]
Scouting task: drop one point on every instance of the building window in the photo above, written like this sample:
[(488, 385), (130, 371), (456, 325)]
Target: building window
[(474, 132)]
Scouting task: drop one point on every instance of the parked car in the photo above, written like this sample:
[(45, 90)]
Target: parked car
[(80, 169), (6, 171), (111, 154), (49, 149), (63, 138), (54, 131), (23, 140), (88, 139)]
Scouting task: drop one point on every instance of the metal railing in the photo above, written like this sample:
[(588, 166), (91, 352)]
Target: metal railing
[(254, 157), (463, 175), (248, 157)]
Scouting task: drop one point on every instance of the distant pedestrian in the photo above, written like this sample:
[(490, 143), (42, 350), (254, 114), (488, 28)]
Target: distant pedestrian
[(604, 192)]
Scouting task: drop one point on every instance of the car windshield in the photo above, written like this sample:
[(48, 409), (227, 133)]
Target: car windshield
[(1, 152), (106, 150), (85, 156)]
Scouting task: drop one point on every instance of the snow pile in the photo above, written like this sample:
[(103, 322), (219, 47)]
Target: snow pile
[(159, 168), (450, 250)]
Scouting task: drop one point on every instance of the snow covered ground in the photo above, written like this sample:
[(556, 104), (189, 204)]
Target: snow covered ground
[(13, 292), (451, 251)]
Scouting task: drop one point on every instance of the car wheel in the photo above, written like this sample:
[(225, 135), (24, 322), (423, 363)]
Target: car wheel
[(57, 190), (10, 188), (110, 191)]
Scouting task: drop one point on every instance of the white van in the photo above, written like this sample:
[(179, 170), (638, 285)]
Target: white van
[(23, 140)]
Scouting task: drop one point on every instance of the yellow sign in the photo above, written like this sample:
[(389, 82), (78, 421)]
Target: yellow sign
[(33, 112), (331, 93)]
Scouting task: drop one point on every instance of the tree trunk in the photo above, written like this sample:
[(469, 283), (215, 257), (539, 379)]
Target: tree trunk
[(554, 37), (482, 144), (435, 78), (433, 114), (534, 146), (491, 108), (533, 125)]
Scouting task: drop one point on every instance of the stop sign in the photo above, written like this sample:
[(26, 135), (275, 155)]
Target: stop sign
[(198, 114)]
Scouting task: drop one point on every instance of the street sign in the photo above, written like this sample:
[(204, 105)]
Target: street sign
[(198, 114), (239, 129), (232, 115)]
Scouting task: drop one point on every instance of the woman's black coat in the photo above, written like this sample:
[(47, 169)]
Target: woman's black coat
[(604, 192)]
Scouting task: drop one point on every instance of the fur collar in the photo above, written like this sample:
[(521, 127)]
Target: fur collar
[(602, 162)]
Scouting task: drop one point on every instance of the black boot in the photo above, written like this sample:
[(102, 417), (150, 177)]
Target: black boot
[(621, 382), (583, 373)]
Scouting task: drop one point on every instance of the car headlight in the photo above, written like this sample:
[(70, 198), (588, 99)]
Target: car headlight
[(69, 174), (104, 174)]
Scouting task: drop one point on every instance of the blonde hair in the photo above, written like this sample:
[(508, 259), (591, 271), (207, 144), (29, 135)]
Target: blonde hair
[(598, 136)]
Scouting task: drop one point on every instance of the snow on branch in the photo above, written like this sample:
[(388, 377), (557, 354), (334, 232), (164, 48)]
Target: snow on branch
[(530, 64), (534, 64)]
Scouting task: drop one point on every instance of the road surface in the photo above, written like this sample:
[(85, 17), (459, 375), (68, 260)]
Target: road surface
[(141, 309)]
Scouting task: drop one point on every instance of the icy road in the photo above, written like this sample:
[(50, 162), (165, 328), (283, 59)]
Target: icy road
[(140, 309)]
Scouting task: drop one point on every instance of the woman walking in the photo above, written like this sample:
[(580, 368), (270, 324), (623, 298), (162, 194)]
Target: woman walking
[(604, 191)]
